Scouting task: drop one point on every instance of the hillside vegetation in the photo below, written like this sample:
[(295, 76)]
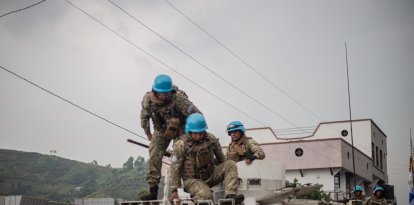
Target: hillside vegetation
[(56, 178)]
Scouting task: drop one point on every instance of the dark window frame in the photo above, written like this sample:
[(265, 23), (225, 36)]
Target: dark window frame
[(373, 154), (380, 159), (337, 180)]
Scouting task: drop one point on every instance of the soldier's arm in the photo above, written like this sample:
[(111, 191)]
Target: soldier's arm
[(145, 114), (185, 106), (367, 202), (256, 149), (218, 152), (177, 163)]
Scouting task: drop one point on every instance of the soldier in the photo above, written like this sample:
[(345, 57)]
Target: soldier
[(377, 199), (242, 147), (358, 194), (167, 107), (193, 161)]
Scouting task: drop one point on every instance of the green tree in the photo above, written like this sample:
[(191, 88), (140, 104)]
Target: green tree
[(129, 165), (294, 184), (316, 194), (139, 162)]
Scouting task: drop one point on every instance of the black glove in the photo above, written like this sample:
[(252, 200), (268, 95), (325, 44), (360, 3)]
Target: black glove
[(251, 157)]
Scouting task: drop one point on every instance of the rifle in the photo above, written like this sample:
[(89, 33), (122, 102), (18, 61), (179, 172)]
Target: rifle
[(167, 153)]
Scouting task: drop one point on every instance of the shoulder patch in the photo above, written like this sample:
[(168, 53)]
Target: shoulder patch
[(190, 109)]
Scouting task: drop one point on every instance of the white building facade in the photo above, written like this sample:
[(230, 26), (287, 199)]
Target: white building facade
[(325, 157)]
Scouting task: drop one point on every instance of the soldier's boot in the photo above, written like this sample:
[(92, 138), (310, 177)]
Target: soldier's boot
[(152, 195), (238, 199)]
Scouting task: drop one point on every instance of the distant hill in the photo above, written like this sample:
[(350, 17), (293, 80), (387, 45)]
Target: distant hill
[(56, 178)]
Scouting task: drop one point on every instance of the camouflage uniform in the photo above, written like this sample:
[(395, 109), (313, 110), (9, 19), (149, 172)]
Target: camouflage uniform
[(360, 198), (194, 163), (245, 146), (178, 107), (375, 201), (357, 200)]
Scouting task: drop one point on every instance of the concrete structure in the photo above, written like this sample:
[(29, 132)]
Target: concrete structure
[(325, 157), (27, 200), (10, 200), (96, 201)]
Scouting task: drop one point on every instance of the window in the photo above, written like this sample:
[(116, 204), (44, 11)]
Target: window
[(337, 181), (299, 152), (381, 159), (376, 156), (373, 156)]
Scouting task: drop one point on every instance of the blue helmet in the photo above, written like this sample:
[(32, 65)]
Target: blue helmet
[(378, 188), (235, 125), (358, 188), (162, 84), (195, 123)]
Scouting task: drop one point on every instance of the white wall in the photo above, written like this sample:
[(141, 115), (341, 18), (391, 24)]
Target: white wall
[(11, 200), (319, 152), (316, 154), (262, 135), (380, 141), (361, 133), (363, 164)]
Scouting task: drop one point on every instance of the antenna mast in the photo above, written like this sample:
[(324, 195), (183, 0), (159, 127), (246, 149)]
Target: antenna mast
[(350, 114)]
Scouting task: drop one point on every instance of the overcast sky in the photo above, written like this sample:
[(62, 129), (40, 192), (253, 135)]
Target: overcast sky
[(298, 45)]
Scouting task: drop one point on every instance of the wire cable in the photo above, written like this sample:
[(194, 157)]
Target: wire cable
[(161, 62), (15, 11), (244, 62), (204, 66), (247, 64), (164, 64), (102, 118), (72, 103)]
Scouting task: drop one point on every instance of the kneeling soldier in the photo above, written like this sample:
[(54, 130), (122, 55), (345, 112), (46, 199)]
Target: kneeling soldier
[(193, 161)]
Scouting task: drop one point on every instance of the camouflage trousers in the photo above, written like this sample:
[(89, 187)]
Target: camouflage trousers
[(157, 149), (226, 172)]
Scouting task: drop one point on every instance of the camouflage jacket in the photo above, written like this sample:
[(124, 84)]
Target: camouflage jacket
[(374, 201), (356, 200), (361, 198), (245, 146), (184, 159), (178, 106)]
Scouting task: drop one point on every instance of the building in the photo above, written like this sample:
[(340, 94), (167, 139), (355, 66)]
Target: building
[(325, 157)]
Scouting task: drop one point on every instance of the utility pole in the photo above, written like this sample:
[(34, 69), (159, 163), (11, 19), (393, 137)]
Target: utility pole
[(350, 115)]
